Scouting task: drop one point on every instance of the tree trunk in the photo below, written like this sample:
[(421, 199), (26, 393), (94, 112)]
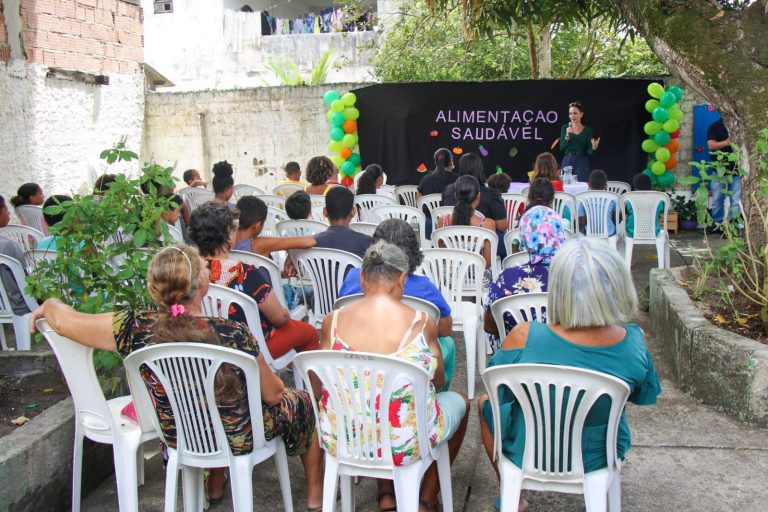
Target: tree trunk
[(723, 55), (532, 52), (545, 52)]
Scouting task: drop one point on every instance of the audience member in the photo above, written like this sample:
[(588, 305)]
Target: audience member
[(298, 206), (591, 300), (499, 182), (641, 182), (340, 210), (598, 180), (436, 181), (491, 205), (49, 243), (212, 228), (177, 282), (319, 171), (10, 248), (223, 183), (540, 193), (253, 213), (102, 184), (371, 180), (405, 334), (546, 167), (292, 174), (398, 232), (192, 178), (28, 193)]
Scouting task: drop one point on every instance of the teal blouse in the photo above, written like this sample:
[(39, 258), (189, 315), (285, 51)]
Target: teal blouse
[(578, 144), (627, 360)]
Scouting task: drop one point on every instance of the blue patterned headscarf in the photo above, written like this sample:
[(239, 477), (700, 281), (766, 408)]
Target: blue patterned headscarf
[(541, 233)]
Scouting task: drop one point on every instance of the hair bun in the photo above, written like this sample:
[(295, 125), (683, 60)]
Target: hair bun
[(223, 169), (375, 257)]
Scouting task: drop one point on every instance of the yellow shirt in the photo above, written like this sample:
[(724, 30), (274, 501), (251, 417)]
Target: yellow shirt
[(291, 182)]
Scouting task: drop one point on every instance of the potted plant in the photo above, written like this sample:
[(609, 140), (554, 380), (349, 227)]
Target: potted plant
[(686, 211)]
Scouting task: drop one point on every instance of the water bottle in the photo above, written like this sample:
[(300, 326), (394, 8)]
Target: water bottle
[(567, 175)]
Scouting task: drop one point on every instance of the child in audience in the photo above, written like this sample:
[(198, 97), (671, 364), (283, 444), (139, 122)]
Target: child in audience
[(28, 193), (499, 182), (49, 243), (319, 171), (298, 206), (642, 182), (10, 248), (546, 167), (371, 180), (598, 180), (253, 214), (223, 183), (102, 183), (340, 210), (292, 174), (192, 178)]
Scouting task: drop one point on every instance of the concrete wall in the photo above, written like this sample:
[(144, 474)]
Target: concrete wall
[(273, 124), (55, 128), (194, 48)]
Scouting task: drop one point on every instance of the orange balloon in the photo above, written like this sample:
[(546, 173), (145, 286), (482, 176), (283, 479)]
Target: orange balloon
[(349, 126), (345, 153), (673, 145), (671, 163)]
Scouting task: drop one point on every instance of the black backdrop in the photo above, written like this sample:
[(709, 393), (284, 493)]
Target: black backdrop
[(401, 125)]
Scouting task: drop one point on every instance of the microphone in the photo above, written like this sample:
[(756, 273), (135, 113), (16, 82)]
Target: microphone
[(568, 134)]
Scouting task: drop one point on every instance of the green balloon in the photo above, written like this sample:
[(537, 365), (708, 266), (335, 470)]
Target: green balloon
[(648, 173), (349, 99), (329, 114), (667, 179), (347, 168), (658, 168), (678, 92), (351, 113), (331, 96), (671, 125), (660, 114), (337, 160), (655, 90), (662, 138), (650, 146), (667, 99), (355, 158), (662, 154), (337, 106), (675, 113), (337, 119), (348, 140), (652, 127), (337, 133), (335, 145), (652, 105)]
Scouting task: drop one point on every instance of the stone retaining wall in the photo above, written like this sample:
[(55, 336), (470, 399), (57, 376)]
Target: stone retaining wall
[(718, 367)]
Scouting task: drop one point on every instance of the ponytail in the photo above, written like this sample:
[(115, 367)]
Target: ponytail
[(466, 191), (443, 159)]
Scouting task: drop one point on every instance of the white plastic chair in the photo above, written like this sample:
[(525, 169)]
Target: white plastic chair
[(317, 214), (469, 238), (100, 420), (175, 235), (365, 228), (242, 190), (7, 316), (364, 446), (565, 201), (525, 190), (597, 206), (275, 202), (317, 200), (407, 214), (513, 204), (32, 215), (644, 219), (26, 237), (449, 269), (274, 215), (553, 455), (259, 261), (187, 373), (326, 269), (286, 190), (34, 256), (429, 202), (512, 237), (216, 304), (618, 187), (301, 227), (412, 302), (516, 259), (195, 196), (365, 203), (524, 307), (406, 195)]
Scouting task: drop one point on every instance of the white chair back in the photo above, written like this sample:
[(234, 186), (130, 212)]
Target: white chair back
[(365, 203), (326, 269), (516, 259), (286, 190), (305, 227), (242, 190), (195, 196), (175, 236), (406, 195), (317, 200), (20, 323), (99, 419), (187, 373), (618, 187), (514, 204), (407, 214), (645, 218), (32, 215), (274, 215), (554, 421), (597, 206), (25, 236), (469, 238), (523, 307), (363, 439), (366, 228), (317, 214), (273, 270), (512, 238), (272, 201), (34, 256), (565, 202), (412, 302), (429, 202)]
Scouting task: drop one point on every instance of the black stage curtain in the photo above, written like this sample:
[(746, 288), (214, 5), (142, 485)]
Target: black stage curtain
[(507, 123)]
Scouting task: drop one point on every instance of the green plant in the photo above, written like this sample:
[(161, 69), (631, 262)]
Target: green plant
[(717, 170), (286, 70), (685, 208)]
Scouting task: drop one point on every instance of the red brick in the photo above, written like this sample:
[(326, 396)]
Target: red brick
[(5, 52), (103, 33), (104, 17), (66, 9)]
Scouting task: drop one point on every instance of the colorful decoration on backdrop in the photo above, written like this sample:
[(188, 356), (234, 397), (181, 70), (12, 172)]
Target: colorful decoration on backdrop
[(342, 116), (663, 131)]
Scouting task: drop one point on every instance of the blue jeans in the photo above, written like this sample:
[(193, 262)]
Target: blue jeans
[(718, 198)]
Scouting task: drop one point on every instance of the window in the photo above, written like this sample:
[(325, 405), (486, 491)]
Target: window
[(163, 6)]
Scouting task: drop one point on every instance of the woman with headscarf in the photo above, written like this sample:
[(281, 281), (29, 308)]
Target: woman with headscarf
[(541, 235)]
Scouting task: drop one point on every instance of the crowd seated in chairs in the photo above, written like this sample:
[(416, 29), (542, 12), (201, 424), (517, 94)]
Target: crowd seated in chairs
[(319, 171), (340, 210), (253, 215), (491, 206)]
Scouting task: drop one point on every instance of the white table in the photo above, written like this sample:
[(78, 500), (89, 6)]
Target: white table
[(575, 188)]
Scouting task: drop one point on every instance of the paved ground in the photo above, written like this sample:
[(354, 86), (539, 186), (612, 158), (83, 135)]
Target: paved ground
[(685, 457)]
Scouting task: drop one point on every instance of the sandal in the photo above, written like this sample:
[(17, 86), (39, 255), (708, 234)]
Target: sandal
[(385, 495), (219, 499)]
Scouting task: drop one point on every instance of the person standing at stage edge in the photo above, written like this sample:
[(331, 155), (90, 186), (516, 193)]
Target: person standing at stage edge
[(577, 142), (718, 139), (436, 181)]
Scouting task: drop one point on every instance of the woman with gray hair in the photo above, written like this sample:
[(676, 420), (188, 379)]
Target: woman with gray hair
[(402, 333), (591, 301)]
